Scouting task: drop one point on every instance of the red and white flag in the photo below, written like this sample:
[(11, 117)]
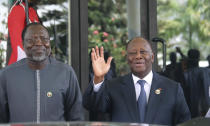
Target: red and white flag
[(16, 24)]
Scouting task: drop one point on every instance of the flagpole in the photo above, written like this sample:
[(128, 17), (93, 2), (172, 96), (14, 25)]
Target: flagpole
[(26, 11)]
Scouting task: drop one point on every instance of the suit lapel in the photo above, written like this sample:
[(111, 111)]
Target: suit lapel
[(154, 99), (129, 95)]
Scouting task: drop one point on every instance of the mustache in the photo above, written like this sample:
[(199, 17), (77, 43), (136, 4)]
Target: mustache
[(38, 47), (38, 50)]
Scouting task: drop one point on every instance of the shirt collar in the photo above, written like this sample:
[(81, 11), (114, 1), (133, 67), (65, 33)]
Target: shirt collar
[(147, 78)]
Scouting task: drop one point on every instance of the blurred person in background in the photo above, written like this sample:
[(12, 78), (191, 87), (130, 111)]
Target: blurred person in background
[(171, 69), (196, 85), (208, 59)]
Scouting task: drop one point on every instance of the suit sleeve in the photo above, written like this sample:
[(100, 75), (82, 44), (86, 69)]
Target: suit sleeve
[(4, 111), (96, 101), (73, 100), (182, 112)]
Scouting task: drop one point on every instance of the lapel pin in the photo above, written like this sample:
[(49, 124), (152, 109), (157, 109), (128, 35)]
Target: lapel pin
[(158, 91), (49, 94)]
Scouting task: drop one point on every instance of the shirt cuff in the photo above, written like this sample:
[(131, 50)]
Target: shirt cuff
[(96, 87)]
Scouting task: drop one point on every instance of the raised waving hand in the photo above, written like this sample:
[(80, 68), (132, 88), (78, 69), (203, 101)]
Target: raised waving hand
[(100, 67)]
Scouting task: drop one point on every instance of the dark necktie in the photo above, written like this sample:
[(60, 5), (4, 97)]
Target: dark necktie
[(142, 101)]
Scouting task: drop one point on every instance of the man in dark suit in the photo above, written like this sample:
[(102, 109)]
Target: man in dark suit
[(208, 59), (142, 96), (196, 85)]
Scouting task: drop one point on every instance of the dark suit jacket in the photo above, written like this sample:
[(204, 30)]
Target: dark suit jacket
[(119, 98), (196, 89)]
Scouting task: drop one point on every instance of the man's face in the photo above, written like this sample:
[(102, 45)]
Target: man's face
[(37, 43), (140, 57)]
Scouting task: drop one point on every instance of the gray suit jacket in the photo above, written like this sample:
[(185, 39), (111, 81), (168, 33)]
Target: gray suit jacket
[(55, 86)]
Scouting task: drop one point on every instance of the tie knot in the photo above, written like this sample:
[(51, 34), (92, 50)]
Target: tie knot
[(141, 82)]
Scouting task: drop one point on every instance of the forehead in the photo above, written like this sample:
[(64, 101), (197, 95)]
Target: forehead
[(138, 44), (36, 30)]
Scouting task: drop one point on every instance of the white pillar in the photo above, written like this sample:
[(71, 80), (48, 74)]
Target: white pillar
[(133, 18), (69, 33)]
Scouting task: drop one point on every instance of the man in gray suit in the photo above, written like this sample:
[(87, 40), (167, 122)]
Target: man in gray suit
[(141, 96), (39, 88)]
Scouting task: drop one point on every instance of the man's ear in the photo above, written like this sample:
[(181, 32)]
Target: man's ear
[(152, 57)]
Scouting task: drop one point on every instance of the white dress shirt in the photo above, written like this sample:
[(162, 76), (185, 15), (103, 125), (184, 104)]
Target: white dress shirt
[(96, 87), (137, 86), (147, 85)]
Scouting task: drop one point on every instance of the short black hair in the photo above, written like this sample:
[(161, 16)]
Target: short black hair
[(129, 41), (193, 54), (31, 24), (208, 58), (173, 57)]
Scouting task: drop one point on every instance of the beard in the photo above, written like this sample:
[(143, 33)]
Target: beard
[(40, 55), (39, 58)]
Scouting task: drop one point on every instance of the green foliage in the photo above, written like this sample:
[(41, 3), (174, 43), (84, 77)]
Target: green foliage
[(185, 24), (181, 23), (107, 28), (2, 50), (3, 37), (56, 20)]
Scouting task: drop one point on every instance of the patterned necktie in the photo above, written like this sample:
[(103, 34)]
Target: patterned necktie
[(142, 101)]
